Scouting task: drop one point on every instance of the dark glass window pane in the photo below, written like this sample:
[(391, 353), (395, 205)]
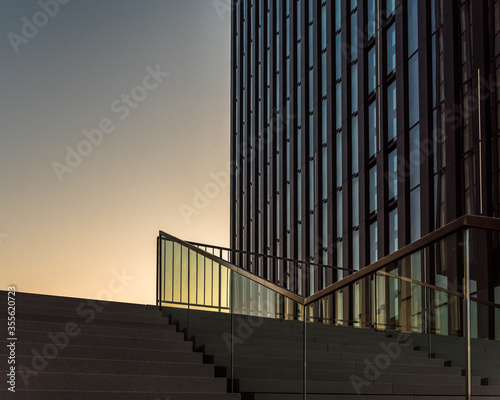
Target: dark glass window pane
[(372, 129), (415, 214), (338, 56), (324, 127), (338, 157), (340, 253), (355, 250), (372, 70), (390, 7), (371, 18), (338, 14), (311, 91), (391, 48), (391, 112), (323, 27), (355, 201), (323, 75), (354, 88), (355, 146), (324, 172), (373, 189), (339, 213), (412, 27), (413, 93), (354, 4), (373, 242), (392, 175), (338, 105), (393, 230), (414, 157), (311, 46), (354, 36)]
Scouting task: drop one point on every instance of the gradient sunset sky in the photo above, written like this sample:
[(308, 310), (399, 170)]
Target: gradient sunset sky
[(70, 233)]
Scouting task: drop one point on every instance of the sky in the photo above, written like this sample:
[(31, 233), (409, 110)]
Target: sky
[(114, 124)]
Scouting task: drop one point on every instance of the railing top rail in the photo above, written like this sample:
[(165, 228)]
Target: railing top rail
[(464, 222), (437, 288), (291, 295), (272, 257)]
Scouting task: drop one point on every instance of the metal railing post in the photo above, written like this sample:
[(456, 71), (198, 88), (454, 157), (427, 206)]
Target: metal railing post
[(467, 320)]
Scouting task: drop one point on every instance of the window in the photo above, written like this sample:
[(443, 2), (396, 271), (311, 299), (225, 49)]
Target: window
[(412, 27), (373, 242), (415, 214), (371, 19), (354, 36), (338, 106), (338, 15), (354, 88), (391, 48), (373, 189), (372, 129), (355, 201), (339, 213), (414, 157), (372, 70), (392, 175), (393, 231), (355, 250), (413, 97), (391, 112), (338, 56), (390, 7), (338, 158), (355, 146)]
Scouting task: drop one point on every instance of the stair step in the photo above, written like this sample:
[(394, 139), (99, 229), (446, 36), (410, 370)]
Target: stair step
[(130, 383), (125, 367)]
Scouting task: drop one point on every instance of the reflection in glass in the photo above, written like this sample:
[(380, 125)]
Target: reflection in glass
[(392, 174), (391, 112), (413, 96), (391, 48), (415, 214), (412, 28), (355, 201), (372, 129), (355, 146), (372, 71), (393, 230), (355, 250), (373, 189), (373, 242)]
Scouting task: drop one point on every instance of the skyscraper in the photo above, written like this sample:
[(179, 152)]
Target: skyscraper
[(359, 126)]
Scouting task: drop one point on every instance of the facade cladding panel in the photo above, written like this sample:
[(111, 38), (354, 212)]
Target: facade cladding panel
[(359, 126)]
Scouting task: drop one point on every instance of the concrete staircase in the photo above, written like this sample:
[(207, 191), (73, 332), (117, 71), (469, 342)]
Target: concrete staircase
[(88, 350), (342, 363)]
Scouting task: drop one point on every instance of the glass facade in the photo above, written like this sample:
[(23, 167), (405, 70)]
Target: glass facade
[(340, 136)]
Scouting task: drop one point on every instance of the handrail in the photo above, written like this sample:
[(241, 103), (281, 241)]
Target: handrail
[(272, 257), (437, 288), (466, 221), (294, 296)]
